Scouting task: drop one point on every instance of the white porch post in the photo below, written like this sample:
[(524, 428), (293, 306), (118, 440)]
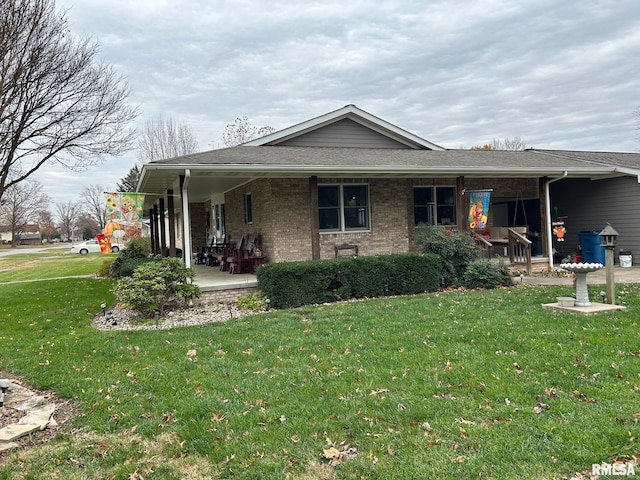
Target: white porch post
[(186, 221), (547, 201)]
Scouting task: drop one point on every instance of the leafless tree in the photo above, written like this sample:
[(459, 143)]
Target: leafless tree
[(20, 207), (67, 213), (166, 139), (241, 131), (46, 225), (515, 143), (57, 104), (95, 204), (87, 226)]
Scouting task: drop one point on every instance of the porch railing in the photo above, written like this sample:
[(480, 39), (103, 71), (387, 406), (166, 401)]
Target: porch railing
[(518, 247)]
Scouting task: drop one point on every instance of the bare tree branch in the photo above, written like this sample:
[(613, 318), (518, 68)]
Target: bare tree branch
[(21, 206), (165, 139), (241, 131), (95, 202), (67, 213), (56, 103)]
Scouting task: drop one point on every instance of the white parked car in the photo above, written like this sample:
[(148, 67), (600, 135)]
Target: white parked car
[(93, 246)]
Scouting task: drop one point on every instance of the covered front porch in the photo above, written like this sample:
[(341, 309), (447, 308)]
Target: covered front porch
[(219, 286)]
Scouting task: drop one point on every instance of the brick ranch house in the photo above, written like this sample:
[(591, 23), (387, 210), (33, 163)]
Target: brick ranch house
[(349, 177)]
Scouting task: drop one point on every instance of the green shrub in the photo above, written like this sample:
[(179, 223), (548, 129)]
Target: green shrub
[(105, 266), (142, 245), (128, 266), (252, 301), (487, 274), (137, 248), (155, 284), (293, 284), (456, 248)]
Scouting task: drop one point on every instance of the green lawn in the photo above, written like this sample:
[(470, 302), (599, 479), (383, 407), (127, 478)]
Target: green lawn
[(54, 263), (450, 385)]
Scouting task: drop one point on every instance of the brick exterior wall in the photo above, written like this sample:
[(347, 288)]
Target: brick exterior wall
[(223, 296), (198, 213), (282, 216)]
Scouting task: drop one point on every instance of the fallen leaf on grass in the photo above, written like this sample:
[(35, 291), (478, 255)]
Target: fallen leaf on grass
[(541, 407), (446, 395), (465, 422), (337, 456), (378, 391), (581, 396), (217, 416)]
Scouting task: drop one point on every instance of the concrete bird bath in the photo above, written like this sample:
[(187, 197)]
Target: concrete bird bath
[(580, 270)]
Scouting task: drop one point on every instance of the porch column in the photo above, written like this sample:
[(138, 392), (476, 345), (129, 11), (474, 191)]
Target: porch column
[(156, 237), (172, 223), (186, 220), (163, 235), (152, 227), (543, 216), (315, 225), (460, 205)]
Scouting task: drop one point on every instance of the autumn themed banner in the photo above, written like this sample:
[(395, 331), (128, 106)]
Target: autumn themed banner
[(124, 218), (479, 208)]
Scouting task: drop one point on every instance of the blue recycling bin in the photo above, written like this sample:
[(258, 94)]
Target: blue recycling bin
[(592, 251)]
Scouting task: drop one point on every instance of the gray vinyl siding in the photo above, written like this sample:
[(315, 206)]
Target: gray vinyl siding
[(344, 133), (589, 205)]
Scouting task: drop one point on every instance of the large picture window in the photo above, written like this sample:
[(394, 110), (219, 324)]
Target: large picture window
[(343, 208), (434, 205)]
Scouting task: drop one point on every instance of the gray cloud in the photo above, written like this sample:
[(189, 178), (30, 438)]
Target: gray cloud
[(557, 74)]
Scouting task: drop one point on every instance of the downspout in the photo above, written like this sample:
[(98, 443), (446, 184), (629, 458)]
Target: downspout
[(547, 201), (186, 221)]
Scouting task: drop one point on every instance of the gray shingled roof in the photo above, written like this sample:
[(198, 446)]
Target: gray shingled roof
[(223, 169), (392, 158)]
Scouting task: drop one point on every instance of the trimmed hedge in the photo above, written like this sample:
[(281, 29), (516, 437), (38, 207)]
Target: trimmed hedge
[(293, 284)]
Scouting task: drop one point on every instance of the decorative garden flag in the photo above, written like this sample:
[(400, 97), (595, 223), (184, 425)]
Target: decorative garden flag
[(559, 230), (124, 216), (479, 208)]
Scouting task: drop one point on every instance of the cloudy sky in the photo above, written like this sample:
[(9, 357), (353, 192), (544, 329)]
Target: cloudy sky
[(558, 74)]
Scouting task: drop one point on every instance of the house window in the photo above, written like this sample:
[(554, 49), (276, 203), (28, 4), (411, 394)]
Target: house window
[(343, 208), (248, 209), (434, 205)]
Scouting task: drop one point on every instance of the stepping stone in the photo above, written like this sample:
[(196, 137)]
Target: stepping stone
[(17, 394), (8, 446), (29, 403), (39, 416), (15, 431)]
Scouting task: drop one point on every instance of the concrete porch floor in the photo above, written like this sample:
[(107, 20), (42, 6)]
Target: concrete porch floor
[(211, 279)]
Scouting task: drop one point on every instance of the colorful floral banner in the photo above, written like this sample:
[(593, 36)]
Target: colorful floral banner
[(124, 217), (479, 209)]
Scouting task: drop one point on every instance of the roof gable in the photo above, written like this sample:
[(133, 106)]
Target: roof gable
[(313, 130)]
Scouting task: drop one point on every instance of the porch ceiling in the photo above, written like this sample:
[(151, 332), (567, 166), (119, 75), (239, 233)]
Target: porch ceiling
[(207, 180)]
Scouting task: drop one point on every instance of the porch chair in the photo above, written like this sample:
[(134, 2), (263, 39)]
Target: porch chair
[(240, 262), (227, 251)]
